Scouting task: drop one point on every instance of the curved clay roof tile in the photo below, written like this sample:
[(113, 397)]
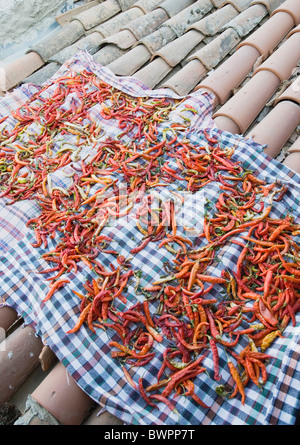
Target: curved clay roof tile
[(247, 20), (126, 4), (292, 7), (292, 93), (142, 26), (183, 82), (98, 14), (270, 34), (226, 77), (277, 127), (7, 317), (248, 102), (175, 51), (240, 5), (271, 5), (293, 158), (172, 8), (284, 59), (180, 22), (295, 148), (147, 5), (213, 23), (62, 397), (215, 51), (16, 367)]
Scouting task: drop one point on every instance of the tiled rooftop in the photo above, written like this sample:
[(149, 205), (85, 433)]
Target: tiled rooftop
[(246, 52)]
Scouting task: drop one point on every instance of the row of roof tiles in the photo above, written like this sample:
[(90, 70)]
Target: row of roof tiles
[(245, 52)]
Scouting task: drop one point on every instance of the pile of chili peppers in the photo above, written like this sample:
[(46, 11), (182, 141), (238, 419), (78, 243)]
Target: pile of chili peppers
[(196, 312)]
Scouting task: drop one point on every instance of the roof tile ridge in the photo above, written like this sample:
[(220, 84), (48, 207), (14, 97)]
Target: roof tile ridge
[(130, 62), (65, 17)]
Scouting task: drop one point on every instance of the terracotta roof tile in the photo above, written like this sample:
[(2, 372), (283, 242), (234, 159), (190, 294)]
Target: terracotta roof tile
[(90, 43), (66, 17), (116, 23), (98, 14), (212, 23), (271, 5), (294, 31), (292, 7), (247, 20), (58, 393), (59, 40), (247, 103), (7, 317), (276, 128), (293, 161), (43, 74), (295, 148), (284, 59), (18, 359), (175, 51), (183, 19), (233, 71), (270, 34), (147, 5), (225, 78), (108, 54), (172, 8), (123, 39), (215, 51), (291, 93), (128, 64), (126, 4), (240, 5), (151, 77), (218, 3), (187, 78), (146, 24), (17, 70), (158, 39), (168, 31)]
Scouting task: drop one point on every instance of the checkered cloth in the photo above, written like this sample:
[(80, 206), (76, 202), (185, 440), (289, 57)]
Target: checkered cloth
[(87, 355)]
